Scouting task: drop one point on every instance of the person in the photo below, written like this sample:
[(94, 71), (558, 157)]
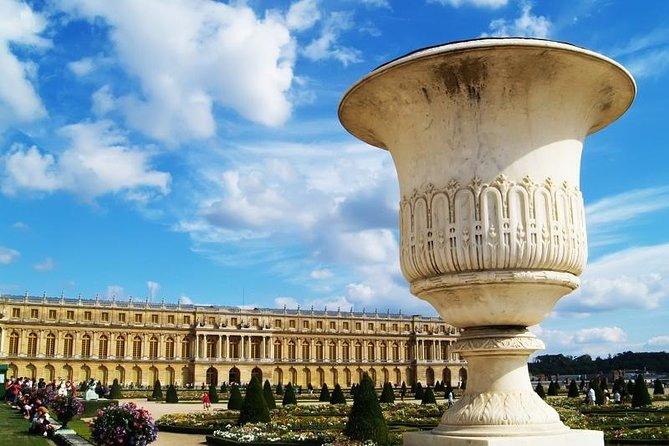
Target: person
[(591, 396), (617, 399), (206, 402), (450, 398), (40, 424)]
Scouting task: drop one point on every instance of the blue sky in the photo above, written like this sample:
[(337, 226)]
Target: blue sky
[(191, 150)]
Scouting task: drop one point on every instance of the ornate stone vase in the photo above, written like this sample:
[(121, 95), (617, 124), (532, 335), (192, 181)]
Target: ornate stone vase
[(486, 136)]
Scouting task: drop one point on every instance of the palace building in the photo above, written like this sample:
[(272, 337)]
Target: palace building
[(141, 342)]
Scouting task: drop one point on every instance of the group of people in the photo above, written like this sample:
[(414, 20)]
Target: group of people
[(29, 397), (591, 397)]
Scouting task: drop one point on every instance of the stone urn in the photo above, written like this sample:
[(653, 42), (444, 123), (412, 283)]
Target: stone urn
[(486, 136)]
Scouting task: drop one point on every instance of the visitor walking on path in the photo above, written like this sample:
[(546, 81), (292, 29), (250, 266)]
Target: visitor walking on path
[(450, 398), (206, 402)]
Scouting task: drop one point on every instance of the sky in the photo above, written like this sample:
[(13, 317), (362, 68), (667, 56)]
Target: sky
[(189, 150)]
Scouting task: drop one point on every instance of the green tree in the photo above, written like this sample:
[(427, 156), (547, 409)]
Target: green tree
[(640, 397), (268, 395), (388, 394), (599, 393), (213, 393), (279, 389), (630, 387), (428, 397), (366, 421), (418, 391), (540, 390), (325, 393), (254, 408), (235, 401), (573, 390), (289, 397), (658, 387), (337, 396), (403, 390), (552, 389), (171, 394), (115, 390), (157, 394)]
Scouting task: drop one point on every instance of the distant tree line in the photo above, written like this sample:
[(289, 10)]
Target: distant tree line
[(584, 365)]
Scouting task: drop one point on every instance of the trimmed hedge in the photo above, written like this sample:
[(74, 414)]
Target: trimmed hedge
[(254, 409), (366, 421)]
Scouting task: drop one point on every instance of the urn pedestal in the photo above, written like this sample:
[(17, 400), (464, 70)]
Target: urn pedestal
[(486, 136)]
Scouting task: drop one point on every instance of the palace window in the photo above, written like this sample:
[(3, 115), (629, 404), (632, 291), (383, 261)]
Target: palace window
[(211, 320), (277, 323), (14, 344), (104, 316), (52, 314), (153, 347), (332, 351), (121, 317), (358, 352), (345, 325), (333, 325), (305, 350), (50, 345), (254, 322), (70, 315), (103, 347), (291, 323), (370, 326), (319, 325), (120, 346), (185, 348), (169, 348), (32, 344), (358, 326), (255, 348), (154, 318), (187, 320), (345, 352), (68, 345), (277, 350), (395, 327), (291, 350), (383, 326), (138, 318), (85, 346), (396, 352), (211, 347), (16, 312), (137, 348), (425, 327), (34, 313), (170, 318), (319, 351), (233, 321), (88, 315), (406, 327), (371, 352), (384, 352), (305, 324)]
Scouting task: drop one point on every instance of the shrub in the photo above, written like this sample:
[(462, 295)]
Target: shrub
[(599, 394), (640, 397), (365, 421), (658, 388), (66, 408), (428, 397), (115, 390), (124, 425), (388, 394), (325, 393), (91, 407), (289, 396), (268, 395), (337, 395), (418, 391), (354, 387), (254, 408), (540, 390), (171, 395), (552, 389), (403, 390), (224, 387), (630, 387), (573, 390), (213, 394), (157, 394), (235, 401), (279, 389)]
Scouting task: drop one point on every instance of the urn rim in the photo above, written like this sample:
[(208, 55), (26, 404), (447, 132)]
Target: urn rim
[(480, 44)]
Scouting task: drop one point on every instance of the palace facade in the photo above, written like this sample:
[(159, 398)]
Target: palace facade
[(141, 342)]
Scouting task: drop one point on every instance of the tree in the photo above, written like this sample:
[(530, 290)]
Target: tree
[(279, 389), (254, 408), (640, 397), (289, 396), (157, 394), (599, 393), (366, 421), (573, 390), (388, 394), (325, 393), (115, 391), (213, 393), (630, 387), (403, 390), (658, 388), (552, 389), (418, 392), (171, 395), (337, 396), (428, 397), (540, 390), (235, 401), (268, 395)]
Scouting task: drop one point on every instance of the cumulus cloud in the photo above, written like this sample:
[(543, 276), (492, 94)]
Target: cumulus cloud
[(302, 15), (658, 341), (102, 101), (590, 340), (326, 45), (82, 67), (527, 25), (285, 301), (19, 26), (45, 265), (476, 3), (8, 255), (153, 288), (191, 56), (114, 292), (98, 161)]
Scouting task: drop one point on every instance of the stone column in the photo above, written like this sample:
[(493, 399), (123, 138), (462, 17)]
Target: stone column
[(197, 346)]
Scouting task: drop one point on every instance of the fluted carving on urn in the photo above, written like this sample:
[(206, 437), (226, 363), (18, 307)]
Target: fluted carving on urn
[(492, 226)]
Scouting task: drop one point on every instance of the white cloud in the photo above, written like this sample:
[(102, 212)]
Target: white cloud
[(326, 46), (45, 265), (590, 340), (153, 288), (476, 3), (527, 25), (376, 3), (600, 334), (658, 341), (19, 26), (114, 292), (193, 55), (82, 67), (288, 302), (321, 274), (185, 300), (98, 161), (102, 101), (302, 15), (647, 55), (21, 226), (8, 255)]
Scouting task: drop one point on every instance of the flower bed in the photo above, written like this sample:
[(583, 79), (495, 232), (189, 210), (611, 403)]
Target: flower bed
[(199, 422)]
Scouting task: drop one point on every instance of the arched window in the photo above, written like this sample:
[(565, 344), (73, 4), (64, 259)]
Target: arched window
[(68, 344), (305, 350), (277, 350), (332, 351), (14, 343), (153, 347), (319, 351), (85, 346), (169, 348), (103, 347), (32, 344), (137, 348), (120, 346), (396, 352), (358, 352), (50, 345), (384, 352), (345, 352), (185, 348), (291, 350), (371, 352), (211, 347)]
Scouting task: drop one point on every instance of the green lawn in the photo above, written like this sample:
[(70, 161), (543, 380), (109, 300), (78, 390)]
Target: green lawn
[(81, 428), (14, 429)]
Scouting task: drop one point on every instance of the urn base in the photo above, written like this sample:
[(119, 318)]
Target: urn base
[(568, 438)]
